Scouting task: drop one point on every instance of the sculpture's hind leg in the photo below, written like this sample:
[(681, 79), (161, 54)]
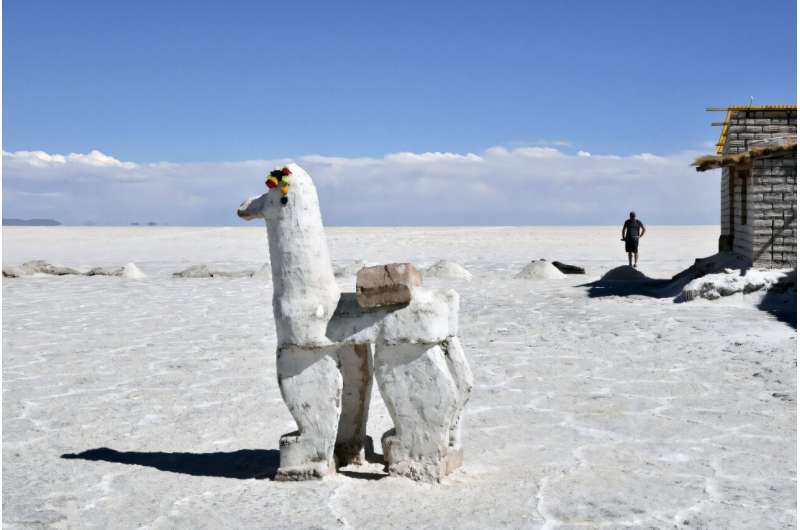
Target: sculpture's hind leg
[(355, 363), (311, 386), (421, 397), (462, 376)]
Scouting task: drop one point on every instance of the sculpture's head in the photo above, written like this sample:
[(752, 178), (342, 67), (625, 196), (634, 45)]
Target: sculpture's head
[(290, 192)]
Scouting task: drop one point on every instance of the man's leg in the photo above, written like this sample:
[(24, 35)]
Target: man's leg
[(635, 259), (630, 259)]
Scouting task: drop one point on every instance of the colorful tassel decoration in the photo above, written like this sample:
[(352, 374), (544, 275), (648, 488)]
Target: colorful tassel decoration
[(280, 176)]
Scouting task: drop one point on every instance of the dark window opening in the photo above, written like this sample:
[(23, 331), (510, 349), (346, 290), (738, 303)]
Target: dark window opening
[(731, 203), (743, 175)]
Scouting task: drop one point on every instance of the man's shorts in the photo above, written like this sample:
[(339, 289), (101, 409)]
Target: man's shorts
[(632, 245)]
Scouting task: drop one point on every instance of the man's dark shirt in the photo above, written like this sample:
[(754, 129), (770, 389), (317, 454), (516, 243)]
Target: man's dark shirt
[(633, 228)]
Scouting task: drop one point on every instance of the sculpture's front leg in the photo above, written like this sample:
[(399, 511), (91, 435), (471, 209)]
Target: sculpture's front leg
[(311, 386)]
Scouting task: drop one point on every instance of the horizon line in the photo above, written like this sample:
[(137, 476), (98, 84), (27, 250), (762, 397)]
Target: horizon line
[(99, 225)]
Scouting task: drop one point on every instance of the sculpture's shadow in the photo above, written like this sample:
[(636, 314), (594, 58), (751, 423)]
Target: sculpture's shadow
[(242, 464), (363, 475)]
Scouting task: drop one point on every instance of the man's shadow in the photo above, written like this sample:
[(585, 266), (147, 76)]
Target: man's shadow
[(242, 464)]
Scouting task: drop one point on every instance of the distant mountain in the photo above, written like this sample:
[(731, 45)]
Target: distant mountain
[(30, 222)]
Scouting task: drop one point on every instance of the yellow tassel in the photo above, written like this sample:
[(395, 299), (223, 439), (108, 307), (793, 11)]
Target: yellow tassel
[(285, 190)]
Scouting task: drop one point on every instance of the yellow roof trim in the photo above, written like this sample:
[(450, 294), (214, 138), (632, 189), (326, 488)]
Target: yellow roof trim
[(723, 134), (762, 107)]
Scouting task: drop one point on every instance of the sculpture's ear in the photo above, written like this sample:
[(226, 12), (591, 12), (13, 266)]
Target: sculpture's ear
[(252, 208)]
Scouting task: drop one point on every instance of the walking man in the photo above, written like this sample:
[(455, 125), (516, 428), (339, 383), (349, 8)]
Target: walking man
[(632, 230)]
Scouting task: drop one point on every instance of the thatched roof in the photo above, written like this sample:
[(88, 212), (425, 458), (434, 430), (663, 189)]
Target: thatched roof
[(716, 161)]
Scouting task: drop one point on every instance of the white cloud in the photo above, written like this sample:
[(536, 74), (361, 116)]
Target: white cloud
[(431, 157), (34, 158), (555, 143), (649, 157), (41, 159), (537, 152), (520, 185), (497, 150), (98, 159)]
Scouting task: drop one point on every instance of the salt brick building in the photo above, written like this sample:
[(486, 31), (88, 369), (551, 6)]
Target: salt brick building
[(757, 151)]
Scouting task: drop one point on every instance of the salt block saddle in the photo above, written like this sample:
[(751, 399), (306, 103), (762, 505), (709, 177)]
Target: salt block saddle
[(331, 344)]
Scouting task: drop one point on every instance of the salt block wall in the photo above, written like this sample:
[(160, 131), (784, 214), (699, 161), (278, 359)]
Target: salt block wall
[(772, 198), (768, 235), (745, 126)]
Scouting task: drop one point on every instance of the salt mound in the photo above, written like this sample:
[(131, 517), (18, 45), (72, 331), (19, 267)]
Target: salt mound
[(625, 273), (106, 271), (132, 272), (202, 271), (10, 271), (264, 272), (30, 268), (715, 286), (448, 270), (540, 270), (37, 267), (348, 269), (195, 271), (42, 267), (233, 274)]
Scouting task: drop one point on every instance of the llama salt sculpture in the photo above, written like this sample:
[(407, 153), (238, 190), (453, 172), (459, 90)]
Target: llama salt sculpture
[(329, 347)]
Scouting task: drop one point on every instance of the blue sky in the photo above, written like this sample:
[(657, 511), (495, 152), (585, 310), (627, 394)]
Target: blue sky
[(195, 82)]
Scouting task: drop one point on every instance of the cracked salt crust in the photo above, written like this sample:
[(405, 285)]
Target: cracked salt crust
[(587, 412)]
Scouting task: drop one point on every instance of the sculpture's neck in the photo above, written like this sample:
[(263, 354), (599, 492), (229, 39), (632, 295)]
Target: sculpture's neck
[(299, 257), (305, 292)]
